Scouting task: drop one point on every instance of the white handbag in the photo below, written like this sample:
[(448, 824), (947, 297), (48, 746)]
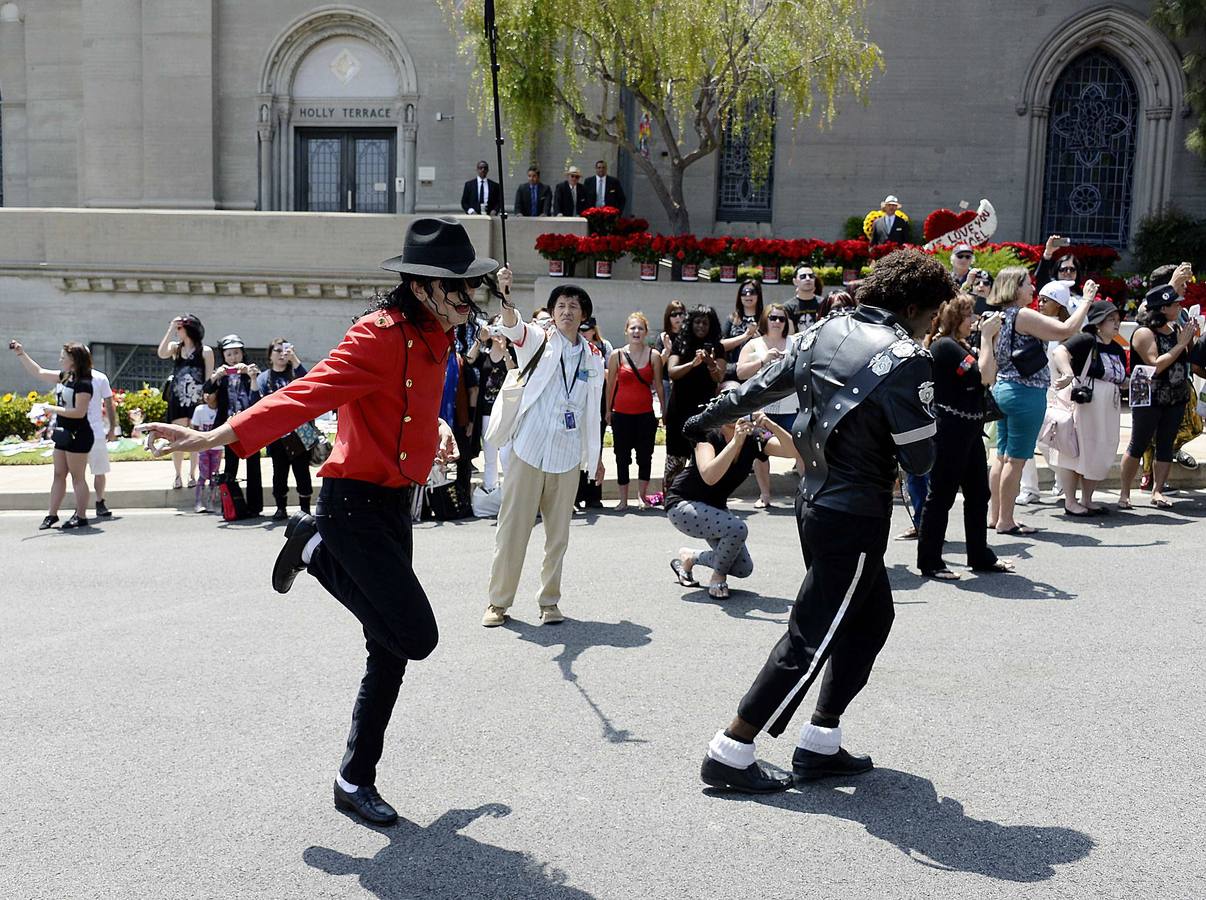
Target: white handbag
[(504, 415)]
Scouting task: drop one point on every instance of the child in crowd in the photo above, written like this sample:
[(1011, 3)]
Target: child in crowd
[(209, 461)]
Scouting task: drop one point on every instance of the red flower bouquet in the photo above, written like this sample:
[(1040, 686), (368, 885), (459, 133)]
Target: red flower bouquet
[(849, 253), (564, 247)]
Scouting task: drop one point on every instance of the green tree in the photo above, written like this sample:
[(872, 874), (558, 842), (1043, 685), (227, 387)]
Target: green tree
[(1185, 20), (696, 66)]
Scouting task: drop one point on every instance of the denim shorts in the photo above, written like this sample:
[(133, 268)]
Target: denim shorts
[(1024, 408)]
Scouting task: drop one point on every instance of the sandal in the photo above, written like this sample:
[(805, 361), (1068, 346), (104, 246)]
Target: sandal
[(943, 574), (999, 566), (718, 591), (192, 482), (1124, 503), (761, 504), (1019, 529), (681, 573), (1083, 514), (177, 484), (1162, 503)]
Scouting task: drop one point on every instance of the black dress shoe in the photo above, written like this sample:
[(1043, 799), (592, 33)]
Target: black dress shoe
[(367, 804), (48, 522), (288, 563), (750, 780), (75, 522), (102, 511), (807, 765), (280, 515)]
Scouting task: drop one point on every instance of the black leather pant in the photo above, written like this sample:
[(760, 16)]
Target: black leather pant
[(842, 617), (960, 463), (364, 561)]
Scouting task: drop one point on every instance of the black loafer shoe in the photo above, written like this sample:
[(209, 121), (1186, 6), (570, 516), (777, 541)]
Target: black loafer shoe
[(48, 522), (288, 563), (102, 511), (809, 766), (750, 780), (75, 522), (367, 804)]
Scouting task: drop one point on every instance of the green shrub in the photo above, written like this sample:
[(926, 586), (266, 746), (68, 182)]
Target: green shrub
[(14, 414), (148, 399), (852, 228), (1170, 236)]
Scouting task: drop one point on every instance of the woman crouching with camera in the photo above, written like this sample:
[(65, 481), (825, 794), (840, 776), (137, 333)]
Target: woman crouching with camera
[(1090, 369), (960, 461), (72, 435), (697, 501)]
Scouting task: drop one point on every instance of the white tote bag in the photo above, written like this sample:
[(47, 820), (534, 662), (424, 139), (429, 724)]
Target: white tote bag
[(505, 413)]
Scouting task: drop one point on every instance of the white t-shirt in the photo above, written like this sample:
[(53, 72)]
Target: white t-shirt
[(101, 391), (204, 418)]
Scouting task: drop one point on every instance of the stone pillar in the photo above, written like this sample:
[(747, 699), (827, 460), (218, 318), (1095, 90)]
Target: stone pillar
[(264, 132), (178, 104), (408, 166), (111, 131), (12, 106)]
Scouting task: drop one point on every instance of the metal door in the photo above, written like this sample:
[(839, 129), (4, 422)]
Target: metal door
[(346, 171)]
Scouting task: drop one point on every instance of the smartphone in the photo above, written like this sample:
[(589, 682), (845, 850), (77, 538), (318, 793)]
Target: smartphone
[(12, 345), (232, 370), (285, 348), (1063, 242)]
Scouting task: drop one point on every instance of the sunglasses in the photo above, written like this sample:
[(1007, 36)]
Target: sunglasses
[(963, 256), (456, 285), (748, 292), (677, 315), (776, 318), (984, 281), (1067, 268), (802, 275)]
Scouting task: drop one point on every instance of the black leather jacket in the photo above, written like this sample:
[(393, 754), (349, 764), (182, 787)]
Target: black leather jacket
[(861, 370)]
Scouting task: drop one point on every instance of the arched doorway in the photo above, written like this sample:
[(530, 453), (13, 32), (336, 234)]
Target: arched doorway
[(1092, 134), (337, 117)]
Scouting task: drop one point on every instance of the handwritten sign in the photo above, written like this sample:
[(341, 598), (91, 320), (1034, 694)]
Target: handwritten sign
[(975, 232)]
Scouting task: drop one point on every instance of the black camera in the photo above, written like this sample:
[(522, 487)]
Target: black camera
[(1082, 394)]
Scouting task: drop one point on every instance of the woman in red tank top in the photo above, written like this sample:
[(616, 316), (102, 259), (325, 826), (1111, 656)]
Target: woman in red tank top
[(634, 375)]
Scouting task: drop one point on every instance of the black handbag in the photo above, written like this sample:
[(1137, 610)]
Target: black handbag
[(992, 412), (1028, 359), (293, 445)]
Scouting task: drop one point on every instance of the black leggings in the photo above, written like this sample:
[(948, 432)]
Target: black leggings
[(255, 487), (959, 464), (1162, 422), (633, 432), (281, 464)]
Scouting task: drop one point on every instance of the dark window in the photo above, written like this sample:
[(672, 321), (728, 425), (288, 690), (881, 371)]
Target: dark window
[(1091, 152), (130, 366), (346, 171), (739, 198)]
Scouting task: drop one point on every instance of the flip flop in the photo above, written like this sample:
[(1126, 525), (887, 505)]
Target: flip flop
[(1019, 529), (1084, 514), (1162, 503), (1125, 504), (943, 575), (681, 574), (999, 566), (718, 591)]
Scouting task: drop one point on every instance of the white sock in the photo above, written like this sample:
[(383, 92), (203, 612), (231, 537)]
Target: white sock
[(730, 752), (346, 785), (820, 740), (311, 546)]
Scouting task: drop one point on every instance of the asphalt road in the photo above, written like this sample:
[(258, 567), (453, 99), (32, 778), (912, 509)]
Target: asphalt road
[(170, 728)]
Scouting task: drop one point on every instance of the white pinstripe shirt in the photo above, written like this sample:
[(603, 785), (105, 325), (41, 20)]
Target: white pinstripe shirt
[(542, 439)]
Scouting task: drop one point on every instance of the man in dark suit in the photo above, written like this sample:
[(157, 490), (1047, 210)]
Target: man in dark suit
[(604, 189), (889, 226), (481, 195), (533, 198), (569, 199)]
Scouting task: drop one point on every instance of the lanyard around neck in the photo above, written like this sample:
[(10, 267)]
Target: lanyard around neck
[(567, 382)]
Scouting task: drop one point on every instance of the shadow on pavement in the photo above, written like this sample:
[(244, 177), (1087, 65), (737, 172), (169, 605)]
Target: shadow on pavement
[(743, 604), (438, 862), (906, 811), (575, 637)]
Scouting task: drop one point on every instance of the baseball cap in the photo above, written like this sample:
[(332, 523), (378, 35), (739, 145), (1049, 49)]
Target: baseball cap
[(1058, 291), (963, 247)]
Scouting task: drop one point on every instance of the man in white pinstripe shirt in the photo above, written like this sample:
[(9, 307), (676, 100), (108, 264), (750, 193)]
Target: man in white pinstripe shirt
[(556, 436)]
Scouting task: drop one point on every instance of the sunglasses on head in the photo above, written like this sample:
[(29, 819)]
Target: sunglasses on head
[(776, 318)]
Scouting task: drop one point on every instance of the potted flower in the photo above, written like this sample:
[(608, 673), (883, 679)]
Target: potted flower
[(727, 254), (767, 255), (561, 250), (601, 219), (648, 249), (689, 252), (851, 255), (606, 249)]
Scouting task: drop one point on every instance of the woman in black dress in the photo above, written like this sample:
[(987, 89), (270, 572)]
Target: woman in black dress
[(960, 461), (72, 434), (192, 366), (696, 368), (284, 366), (741, 326)]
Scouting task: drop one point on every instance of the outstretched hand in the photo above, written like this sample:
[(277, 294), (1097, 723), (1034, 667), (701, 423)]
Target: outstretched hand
[(179, 438), (447, 451)]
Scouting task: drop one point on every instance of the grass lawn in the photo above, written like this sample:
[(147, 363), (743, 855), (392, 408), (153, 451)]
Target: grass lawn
[(35, 458)]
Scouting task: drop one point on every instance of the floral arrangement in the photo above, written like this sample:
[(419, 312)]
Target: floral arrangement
[(687, 248), (849, 253), (1195, 293), (944, 221), (1092, 258), (146, 404), (607, 220), (724, 251), (649, 248), (869, 220), (559, 246), (604, 246)]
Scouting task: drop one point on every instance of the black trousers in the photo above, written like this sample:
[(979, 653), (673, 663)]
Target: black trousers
[(842, 617), (960, 463), (281, 464), (255, 484), (1159, 422), (364, 561), (633, 433)]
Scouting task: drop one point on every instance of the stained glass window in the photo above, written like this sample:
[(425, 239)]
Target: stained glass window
[(739, 198)]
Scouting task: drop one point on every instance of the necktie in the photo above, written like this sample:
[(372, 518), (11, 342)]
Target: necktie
[(481, 196), (600, 192), (534, 210), (574, 198)]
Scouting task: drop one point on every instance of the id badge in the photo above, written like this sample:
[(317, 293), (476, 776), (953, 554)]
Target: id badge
[(570, 421)]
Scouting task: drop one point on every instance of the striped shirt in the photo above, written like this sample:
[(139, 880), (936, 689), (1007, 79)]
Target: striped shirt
[(543, 439)]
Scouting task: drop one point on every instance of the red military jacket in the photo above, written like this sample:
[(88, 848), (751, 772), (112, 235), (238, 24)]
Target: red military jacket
[(386, 379)]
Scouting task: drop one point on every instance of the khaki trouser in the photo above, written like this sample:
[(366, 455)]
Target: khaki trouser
[(526, 491)]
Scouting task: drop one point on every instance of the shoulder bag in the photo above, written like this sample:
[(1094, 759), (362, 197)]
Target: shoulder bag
[(1028, 359), (1059, 422), (504, 415)]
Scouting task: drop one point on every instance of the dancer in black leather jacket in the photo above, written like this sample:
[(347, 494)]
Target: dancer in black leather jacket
[(865, 390)]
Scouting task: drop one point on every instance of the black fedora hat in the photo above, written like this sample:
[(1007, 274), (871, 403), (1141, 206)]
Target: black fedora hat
[(439, 248)]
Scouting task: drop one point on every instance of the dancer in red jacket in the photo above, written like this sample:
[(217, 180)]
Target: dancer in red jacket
[(386, 378)]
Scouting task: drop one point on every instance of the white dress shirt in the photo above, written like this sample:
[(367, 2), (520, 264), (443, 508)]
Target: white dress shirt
[(542, 437)]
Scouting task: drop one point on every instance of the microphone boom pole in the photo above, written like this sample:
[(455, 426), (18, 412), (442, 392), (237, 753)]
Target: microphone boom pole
[(492, 39)]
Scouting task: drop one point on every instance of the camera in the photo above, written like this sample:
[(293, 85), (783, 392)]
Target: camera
[(12, 345), (1082, 394)]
